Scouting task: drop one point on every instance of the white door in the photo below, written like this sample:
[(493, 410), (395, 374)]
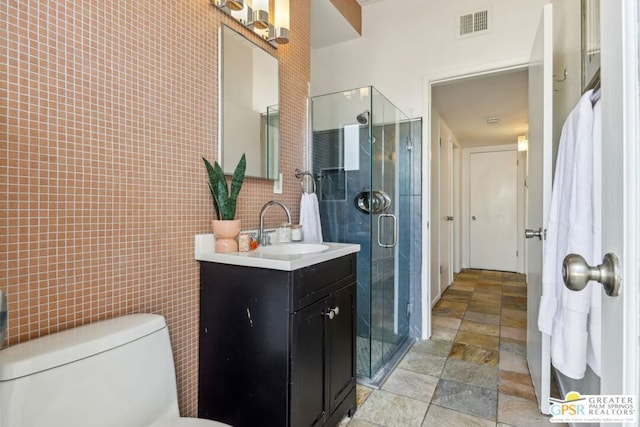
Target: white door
[(620, 196), (620, 193), (446, 212), (493, 210), (538, 197)]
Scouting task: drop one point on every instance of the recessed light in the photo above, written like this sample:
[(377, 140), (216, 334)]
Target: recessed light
[(492, 120)]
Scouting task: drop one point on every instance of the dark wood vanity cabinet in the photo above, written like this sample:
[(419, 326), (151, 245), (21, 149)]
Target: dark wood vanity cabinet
[(277, 348)]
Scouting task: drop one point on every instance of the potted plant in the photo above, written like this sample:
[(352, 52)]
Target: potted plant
[(225, 227)]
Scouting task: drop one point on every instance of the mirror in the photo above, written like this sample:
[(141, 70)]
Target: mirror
[(249, 113)]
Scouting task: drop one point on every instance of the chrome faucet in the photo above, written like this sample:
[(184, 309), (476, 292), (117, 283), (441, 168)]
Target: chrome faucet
[(262, 238)]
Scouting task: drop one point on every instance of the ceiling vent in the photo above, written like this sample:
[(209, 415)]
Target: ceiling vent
[(473, 23)]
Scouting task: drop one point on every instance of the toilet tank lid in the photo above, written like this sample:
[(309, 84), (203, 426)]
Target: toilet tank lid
[(73, 344)]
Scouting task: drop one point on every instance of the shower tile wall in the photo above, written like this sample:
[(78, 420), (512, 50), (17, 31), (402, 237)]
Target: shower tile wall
[(341, 221)]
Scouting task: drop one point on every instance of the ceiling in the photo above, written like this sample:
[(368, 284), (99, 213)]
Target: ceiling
[(466, 104), (328, 26)]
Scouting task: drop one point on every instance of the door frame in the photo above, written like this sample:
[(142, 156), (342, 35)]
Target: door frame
[(466, 158), (620, 132), (428, 202)]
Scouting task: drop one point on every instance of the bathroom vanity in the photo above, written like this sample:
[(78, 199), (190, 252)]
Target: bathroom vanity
[(277, 337)]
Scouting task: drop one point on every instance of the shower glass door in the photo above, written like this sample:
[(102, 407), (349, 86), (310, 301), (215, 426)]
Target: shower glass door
[(356, 138), (389, 325)]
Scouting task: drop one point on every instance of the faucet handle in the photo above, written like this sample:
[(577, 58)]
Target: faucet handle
[(266, 239)]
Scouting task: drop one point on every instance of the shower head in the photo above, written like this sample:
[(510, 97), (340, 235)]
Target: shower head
[(363, 118)]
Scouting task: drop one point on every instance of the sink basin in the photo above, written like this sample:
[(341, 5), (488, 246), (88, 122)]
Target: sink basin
[(292, 249)]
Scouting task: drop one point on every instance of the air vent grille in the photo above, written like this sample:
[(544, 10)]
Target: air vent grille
[(473, 23)]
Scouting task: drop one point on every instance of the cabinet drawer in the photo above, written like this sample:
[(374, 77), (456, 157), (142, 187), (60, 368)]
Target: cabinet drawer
[(317, 281)]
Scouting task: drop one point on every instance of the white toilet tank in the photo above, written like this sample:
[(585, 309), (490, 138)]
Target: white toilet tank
[(117, 372)]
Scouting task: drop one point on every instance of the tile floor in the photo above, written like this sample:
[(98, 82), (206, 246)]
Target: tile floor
[(472, 372)]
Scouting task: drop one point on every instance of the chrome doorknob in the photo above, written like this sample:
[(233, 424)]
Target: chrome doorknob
[(530, 234), (576, 273)]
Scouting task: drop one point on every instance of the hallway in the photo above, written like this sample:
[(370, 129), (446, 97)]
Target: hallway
[(472, 372)]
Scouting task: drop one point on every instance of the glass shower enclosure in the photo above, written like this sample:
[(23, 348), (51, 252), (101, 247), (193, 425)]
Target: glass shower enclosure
[(362, 160)]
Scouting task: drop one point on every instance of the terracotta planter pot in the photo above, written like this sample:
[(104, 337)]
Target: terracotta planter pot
[(226, 232)]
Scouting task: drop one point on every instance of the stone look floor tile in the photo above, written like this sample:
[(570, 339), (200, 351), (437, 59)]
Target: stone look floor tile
[(520, 412), (516, 384), (392, 410), (487, 299), (433, 346), (481, 328), (484, 308), (494, 288), (517, 303), (356, 422), (513, 318), (478, 340), (471, 373), (513, 346), (513, 333), (439, 416), (417, 362), (443, 334), (472, 400), (463, 286), (493, 319), (449, 309), (478, 355), (514, 291), (457, 295), (513, 362), (362, 393), (411, 384), (445, 322)]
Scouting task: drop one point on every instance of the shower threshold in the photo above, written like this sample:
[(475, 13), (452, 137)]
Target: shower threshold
[(383, 373)]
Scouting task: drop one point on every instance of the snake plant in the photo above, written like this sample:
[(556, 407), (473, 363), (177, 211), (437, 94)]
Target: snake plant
[(223, 201)]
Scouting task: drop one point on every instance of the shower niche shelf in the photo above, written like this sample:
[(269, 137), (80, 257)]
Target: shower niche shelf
[(277, 347)]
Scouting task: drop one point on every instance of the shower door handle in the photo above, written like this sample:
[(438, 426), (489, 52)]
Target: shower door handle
[(395, 231)]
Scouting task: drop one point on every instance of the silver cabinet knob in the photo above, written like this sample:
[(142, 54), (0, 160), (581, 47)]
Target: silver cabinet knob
[(333, 312), (576, 273), (473, 217), (530, 234), (449, 218)]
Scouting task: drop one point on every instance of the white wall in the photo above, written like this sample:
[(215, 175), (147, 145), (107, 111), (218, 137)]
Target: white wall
[(405, 40)]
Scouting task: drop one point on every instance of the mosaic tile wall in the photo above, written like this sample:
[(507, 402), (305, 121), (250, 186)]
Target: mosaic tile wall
[(106, 108)]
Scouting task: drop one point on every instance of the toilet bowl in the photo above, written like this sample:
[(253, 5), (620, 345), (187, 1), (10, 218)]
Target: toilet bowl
[(116, 372)]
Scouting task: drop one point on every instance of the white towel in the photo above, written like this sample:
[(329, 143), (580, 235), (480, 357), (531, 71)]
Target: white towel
[(564, 313), (310, 218)]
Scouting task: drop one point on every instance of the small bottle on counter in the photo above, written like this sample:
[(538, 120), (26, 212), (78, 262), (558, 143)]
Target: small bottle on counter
[(296, 232), (284, 232), (244, 243)]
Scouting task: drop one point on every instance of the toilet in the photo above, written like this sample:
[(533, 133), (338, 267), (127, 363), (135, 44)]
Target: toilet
[(116, 372)]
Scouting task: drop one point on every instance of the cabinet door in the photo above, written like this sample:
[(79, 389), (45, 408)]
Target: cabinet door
[(307, 366), (341, 352)]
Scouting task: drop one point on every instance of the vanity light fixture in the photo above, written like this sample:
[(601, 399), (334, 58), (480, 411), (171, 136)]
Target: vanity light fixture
[(279, 32), (254, 14), (259, 19), (523, 143), (233, 5)]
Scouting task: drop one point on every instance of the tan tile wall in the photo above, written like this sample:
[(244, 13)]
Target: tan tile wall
[(106, 108)]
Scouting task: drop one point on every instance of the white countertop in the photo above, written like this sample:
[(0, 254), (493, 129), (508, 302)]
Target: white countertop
[(204, 252)]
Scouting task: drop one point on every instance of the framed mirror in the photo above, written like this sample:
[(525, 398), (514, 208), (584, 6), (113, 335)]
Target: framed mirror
[(249, 113)]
